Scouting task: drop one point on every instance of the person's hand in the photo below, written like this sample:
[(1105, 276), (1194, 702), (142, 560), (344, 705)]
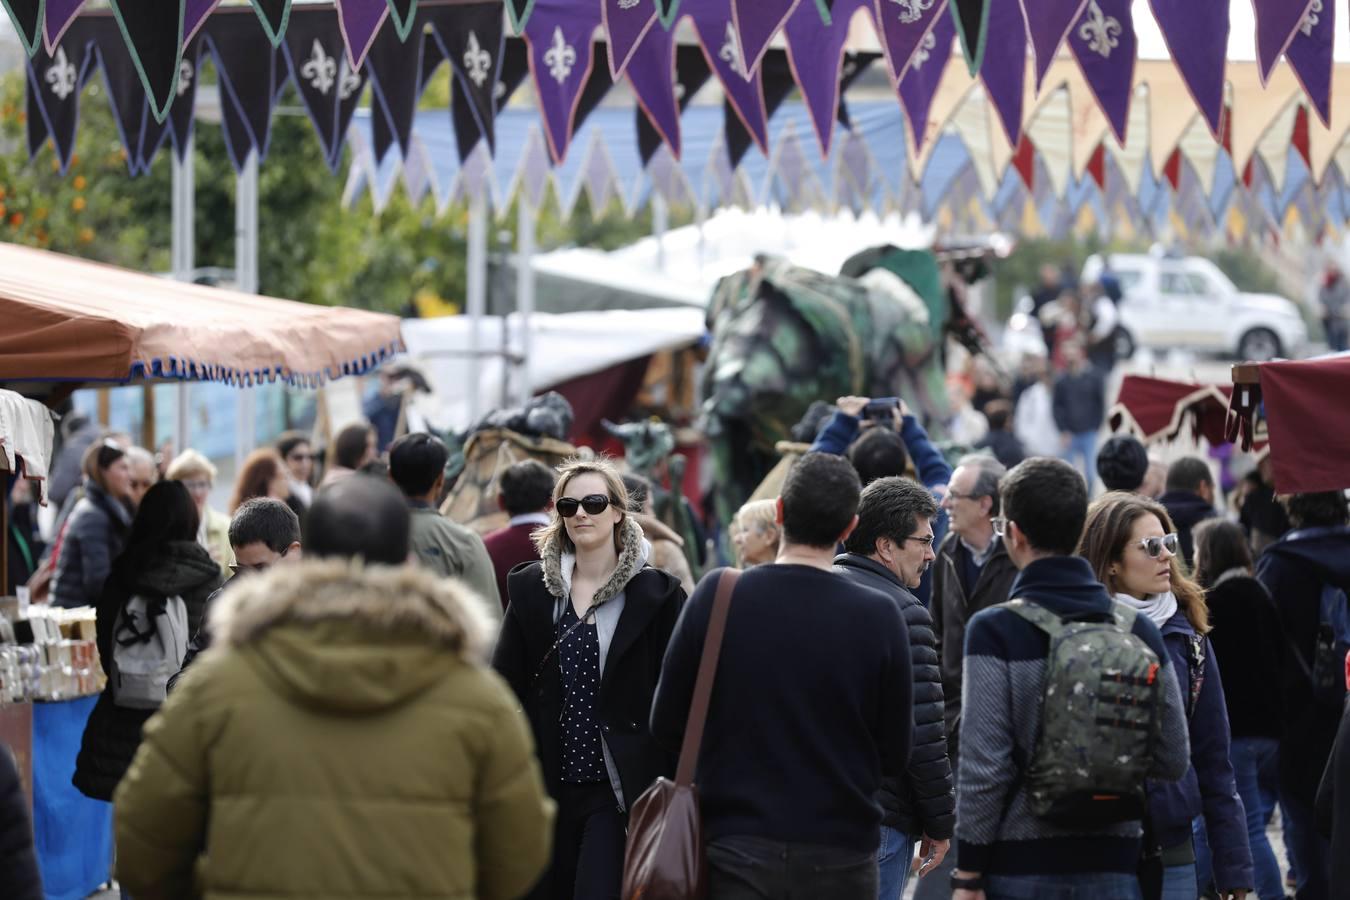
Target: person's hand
[(930, 856), (852, 406)]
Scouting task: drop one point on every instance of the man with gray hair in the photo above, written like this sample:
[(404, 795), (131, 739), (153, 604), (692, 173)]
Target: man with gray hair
[(890, 550)]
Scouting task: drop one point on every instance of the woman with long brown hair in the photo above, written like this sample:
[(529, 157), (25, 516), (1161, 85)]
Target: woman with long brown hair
[(1133, 549), (263, 474)]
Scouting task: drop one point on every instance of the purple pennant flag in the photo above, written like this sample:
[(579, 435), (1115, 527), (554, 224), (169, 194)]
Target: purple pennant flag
[(360, 21), (757, 21), (60, 13), (626, 23), (561, 55), (1309, 55), (194, 17), (1004, 70), (1103, 42), (1196, 32), (1277, 22), (717, 34), (1048, 22), (652, 74), (919, 82), (815, 52), (903, 27)]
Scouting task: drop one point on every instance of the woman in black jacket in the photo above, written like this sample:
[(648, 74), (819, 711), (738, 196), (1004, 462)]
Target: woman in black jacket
[(162, 559), (97, 527), (581, 645), (1247, 633)]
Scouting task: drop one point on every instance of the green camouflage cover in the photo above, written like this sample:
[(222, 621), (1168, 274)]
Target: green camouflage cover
[(1100, 719)]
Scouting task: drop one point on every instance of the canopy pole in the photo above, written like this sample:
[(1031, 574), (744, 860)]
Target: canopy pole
[(183, 253), (660, 221), (246, 278), (476, 294), (525, 233)]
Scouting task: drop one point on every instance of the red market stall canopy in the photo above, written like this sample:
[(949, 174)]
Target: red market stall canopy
[(1155, 409), (1304, 405), (73, 321)]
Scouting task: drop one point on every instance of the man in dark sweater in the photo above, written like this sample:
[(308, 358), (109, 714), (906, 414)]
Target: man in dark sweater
[(1002, 846), (1080, 408), (1189, 500), (890, 550), (813, 703)]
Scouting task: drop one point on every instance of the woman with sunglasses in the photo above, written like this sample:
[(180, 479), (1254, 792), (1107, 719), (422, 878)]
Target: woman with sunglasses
[(581, 645), (296, 450), (1133, 548), (96, 528)]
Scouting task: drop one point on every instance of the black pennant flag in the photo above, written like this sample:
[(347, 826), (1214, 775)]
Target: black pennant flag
[(972, 21), (154, 37), (27, 16), (855, 64), (56, 79), (691, 73), (432, 58), (317, 59), (275, 16), (36, 130), (125, 90), (519, 11), (595, 89), (667, 10), (473, 41), (181, 114), (777, 79), (404, 14), (514, 69), (382, 133), (349, 98), (395, 69), (249, 81)]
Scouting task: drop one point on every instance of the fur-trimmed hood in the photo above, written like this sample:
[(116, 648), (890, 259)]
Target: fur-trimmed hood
[(557, 565), (339, 634)]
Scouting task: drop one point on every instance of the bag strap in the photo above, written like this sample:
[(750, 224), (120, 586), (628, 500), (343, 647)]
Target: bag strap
[(1038, 616), (707, 670)]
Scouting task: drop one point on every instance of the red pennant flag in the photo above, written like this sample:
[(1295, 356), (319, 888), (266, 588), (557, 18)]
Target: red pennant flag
[(1228, 129), (1024, 160), (1300, 137), (1247, 175), (1172, 171), (1096, 166)]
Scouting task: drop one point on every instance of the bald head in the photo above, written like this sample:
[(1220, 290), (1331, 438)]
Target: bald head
[(360, 516)]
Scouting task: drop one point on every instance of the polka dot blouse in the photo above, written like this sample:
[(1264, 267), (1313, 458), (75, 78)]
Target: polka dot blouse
[(583, 761)]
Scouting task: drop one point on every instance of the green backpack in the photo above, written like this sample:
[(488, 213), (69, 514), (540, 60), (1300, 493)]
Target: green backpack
[(1101, 719)]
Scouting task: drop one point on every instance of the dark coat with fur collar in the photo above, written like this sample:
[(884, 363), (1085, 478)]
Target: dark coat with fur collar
[(652, 602)]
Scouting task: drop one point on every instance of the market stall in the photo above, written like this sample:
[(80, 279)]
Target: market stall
[(1301, 405), (1157, 409)]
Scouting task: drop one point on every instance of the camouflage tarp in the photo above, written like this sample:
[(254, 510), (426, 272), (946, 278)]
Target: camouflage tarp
[(488, 453)]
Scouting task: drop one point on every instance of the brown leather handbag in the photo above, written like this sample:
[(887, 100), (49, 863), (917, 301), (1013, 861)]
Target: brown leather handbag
[(664, 859)]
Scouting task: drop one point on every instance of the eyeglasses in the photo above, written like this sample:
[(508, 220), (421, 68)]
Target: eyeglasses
[(1154, 546), (925, 539), (957, 495), (302, 457), (1000, 524), (197, 484), (594, 504)]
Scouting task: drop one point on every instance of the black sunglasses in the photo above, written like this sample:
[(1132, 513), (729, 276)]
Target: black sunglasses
[(594, 504)]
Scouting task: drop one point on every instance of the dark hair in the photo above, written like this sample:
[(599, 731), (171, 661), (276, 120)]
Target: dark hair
[(1316, 510), (1047, 498), (1122, 463), (263, 520), (1220, 545), (360, 516), (350, 445), (820, 497), (1187, 474), (416, 461), (639, 489), (167, 513), (989, 474), (289, 441), (999, 413), (526, 487), (254, 478), (97, 459), (889, 508), (880, 453)]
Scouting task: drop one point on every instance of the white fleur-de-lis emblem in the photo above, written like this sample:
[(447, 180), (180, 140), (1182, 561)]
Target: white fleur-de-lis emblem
[(628, 4), (926, 48), (912, 10), (730, 52), (349, 83), (321, 70), (1102, 32), (62, 75), (1312, 18), (185, 75), (680, 91), (499, 91), (477, 61), (561, 57)]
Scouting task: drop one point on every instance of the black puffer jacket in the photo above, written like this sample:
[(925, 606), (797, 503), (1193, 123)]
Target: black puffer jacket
[(113, 733), (18, 860), (921, 802)]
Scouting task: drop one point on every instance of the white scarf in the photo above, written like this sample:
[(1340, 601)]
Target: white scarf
[(1158, 607)]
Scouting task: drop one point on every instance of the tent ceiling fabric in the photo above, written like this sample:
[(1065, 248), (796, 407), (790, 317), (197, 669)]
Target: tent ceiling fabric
[(1078, 88), (69, 319)]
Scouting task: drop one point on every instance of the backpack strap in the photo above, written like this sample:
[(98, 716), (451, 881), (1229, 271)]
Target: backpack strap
[(1036, 615), (1125, 615)]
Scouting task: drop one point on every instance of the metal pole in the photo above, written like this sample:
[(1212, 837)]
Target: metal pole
[(246, 278), (476, 294), (525, 227), (660, 221), (184, 249)]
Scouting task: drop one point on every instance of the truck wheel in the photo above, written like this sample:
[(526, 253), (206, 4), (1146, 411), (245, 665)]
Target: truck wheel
[(1259, 345)]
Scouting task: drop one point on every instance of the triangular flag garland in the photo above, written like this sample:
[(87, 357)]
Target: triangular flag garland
[(971, 18), (1196, 33), (1310, 55), (1277, 22), (27, 17)]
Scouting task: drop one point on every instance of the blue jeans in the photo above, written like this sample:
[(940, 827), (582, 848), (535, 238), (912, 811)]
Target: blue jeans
[(1084, 446), (1086, 886), (1255, 762), (893, 860), (1179, 883), (1311, 852)]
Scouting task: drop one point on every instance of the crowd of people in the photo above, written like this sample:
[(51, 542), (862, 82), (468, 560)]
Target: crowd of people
[(977, 676)]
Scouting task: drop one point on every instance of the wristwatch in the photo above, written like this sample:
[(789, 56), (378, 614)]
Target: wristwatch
[(967, 884)]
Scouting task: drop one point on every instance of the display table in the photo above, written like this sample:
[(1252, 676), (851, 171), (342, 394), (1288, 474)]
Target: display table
[(73, 834)]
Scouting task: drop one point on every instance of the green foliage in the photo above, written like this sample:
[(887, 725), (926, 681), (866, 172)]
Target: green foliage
[(1247, 271)]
